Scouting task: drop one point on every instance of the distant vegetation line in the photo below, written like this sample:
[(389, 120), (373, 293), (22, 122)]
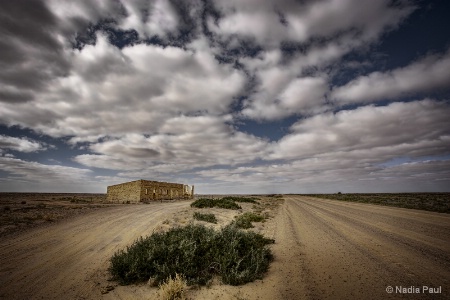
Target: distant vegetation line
[(437, 202)]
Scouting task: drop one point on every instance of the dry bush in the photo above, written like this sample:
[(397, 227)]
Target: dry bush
[(173, 288)]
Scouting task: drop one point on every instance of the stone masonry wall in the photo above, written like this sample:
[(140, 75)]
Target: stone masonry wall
[(154, 190), (128, 191), (146, 190)]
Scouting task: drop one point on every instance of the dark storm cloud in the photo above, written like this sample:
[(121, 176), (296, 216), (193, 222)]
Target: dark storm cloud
[(30, 53), (15, 96)]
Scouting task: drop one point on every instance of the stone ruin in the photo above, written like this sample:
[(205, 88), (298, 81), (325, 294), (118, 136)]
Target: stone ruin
[(147, 191)]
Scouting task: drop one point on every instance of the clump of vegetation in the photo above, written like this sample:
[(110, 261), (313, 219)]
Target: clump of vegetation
[(275, 196), (48, 218), (79, 200), (196, 252), (245, 220), (6, 208), (211, 218), (220, 203), (241, 199), (173, 288), (225, 202), (23, 202)]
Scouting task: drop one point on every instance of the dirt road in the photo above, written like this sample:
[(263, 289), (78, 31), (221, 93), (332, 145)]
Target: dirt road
[(67, 260), (324, 250), (337, 250)]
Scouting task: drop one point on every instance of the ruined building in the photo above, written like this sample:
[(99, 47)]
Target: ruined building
[(146, 191)]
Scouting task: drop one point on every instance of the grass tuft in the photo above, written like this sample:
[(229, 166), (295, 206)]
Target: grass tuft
[(211, 218), (173, 288), (196, 252)]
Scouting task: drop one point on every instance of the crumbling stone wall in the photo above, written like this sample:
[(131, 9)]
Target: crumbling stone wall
[(128, 191), (146, 190), (154, 190)]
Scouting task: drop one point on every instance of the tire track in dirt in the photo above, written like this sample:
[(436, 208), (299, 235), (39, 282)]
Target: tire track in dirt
[(351, 252), (430, 248), (328, 259)]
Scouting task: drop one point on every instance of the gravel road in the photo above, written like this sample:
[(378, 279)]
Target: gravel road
[(337, 250), (324, 249)]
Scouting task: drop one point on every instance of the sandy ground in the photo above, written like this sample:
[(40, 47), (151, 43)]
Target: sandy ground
[(324, 249), (22, 211)]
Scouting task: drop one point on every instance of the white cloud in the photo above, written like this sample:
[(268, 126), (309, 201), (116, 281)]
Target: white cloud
[(342, 26), (143, 84), (20, 144), (262, 20), (150, 18), (280, 98), (368, 127), (183, 143), (36, 177), (429, 73), (148, 110), (330, 174)]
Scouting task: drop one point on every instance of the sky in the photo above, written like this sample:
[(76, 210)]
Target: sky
[(234, 97)]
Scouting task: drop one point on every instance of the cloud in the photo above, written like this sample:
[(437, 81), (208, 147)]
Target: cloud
[(281, 98), (318, 34), (153, 18), (89, 89), (144, 84), (271, 23), (37, 177), (427, 74), (157, 89), (410, 124), (20, 144), (31, 53), (330, 174), (183, 143)]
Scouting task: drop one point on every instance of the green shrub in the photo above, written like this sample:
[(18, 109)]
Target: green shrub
[(245, 220), (211, 218), (275, 196), (241, 199), (195, 252), (220, 203)]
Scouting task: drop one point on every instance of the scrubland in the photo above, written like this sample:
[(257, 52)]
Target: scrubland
[(323, 249)]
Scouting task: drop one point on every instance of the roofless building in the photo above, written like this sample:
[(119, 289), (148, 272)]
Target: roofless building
[(147, 190)]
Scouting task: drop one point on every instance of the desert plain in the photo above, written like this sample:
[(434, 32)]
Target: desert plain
[(58, 247)]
